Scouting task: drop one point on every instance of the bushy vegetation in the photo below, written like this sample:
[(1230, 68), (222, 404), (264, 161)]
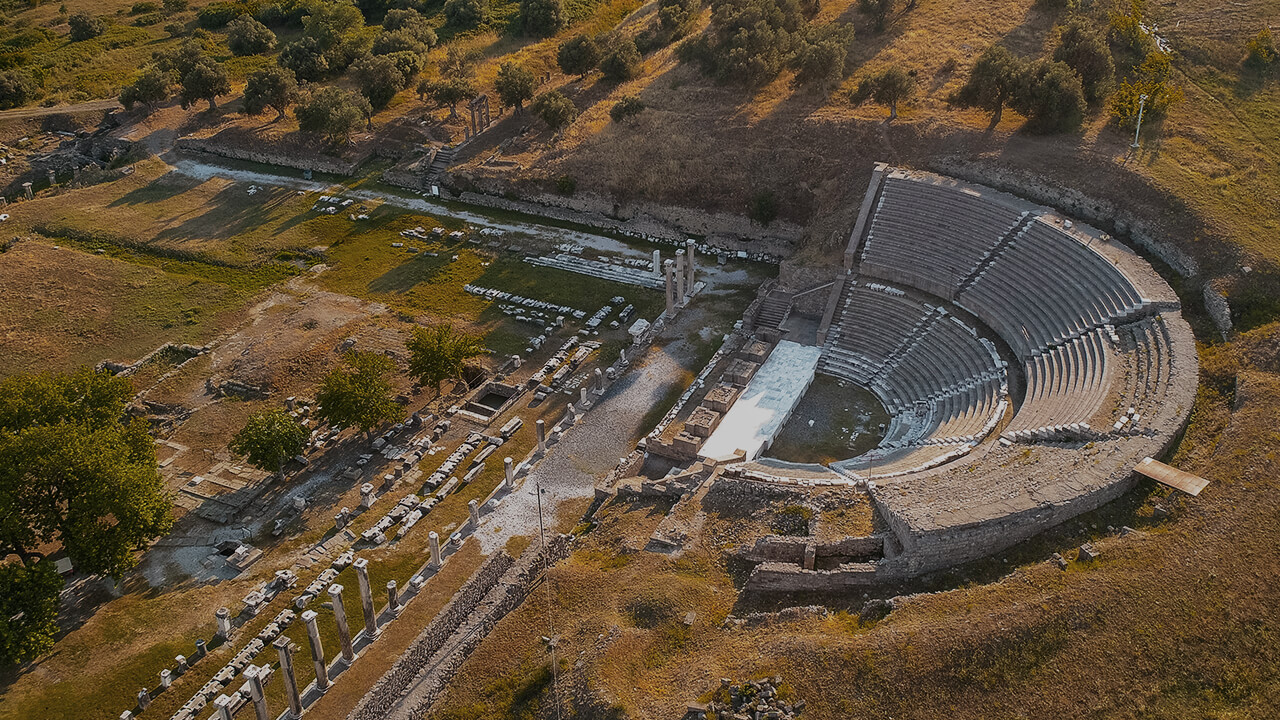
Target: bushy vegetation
[(359, 395), (440, 353), (1260, 51), (332, 112), (1051, 96), (273, 88), (17, 88), (84, 27), (246, 36), (749, 42), (993, 83), (887, 87), (542, 18), (556, 110), (151, 88), (465, 14), (579, 55), (515, 85), (626, 108), (1152, 80), (621, 61), (1083, 47), (269, 439)]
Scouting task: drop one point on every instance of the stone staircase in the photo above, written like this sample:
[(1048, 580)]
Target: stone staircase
[(775, 310), (441, 162)]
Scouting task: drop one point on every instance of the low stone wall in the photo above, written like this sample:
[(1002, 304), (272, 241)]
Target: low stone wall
[(654, 222), (506, 596), (390, 688), (798, 278), (1218, 308), (334, 166), (773, 577)]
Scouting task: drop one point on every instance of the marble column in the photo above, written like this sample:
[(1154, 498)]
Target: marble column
[(393, 597), (340, 617), (371, 628), (509, 471), (473, 509), (317, 650), (144, 698), (540, 428), (433, 540), (681, 291), (223, 704), (257, 693), (166, 678), (670, 270), (657, 263), (284, 649), (223, 616), (690, 250)]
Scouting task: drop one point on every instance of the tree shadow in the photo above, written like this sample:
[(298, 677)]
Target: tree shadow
[(231, 212), (405, 276)]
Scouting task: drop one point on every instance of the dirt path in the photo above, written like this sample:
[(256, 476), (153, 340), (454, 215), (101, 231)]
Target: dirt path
[(24, 113)]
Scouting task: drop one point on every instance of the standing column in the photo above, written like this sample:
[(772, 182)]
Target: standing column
[(657, 263), (371, 628), (669, 268), (144, 698), (473, 509), (508, 467), (690, 252), (340, 617), (223, 704), (317, 650), (254, 674), (393, 598), (223, 616), (285, 649), (433, 540), (541, 429), (599, 381), (681, 261)]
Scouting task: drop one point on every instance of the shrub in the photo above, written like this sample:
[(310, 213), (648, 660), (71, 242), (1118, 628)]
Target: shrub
[(17, 89), (626, 108), (175, 6), (142, 8), (578, 55), (219, 14), (1051, 95), (84, 26), (397, 41), (541, 18), (1260, 52), (556, 110), (411, 22), (749, 41), (448, 92), (465, 14), (792, 520), (1083, 47), (879, 10), (246, 36), (566, 185), (206, 81), (763, 207), (1128, 32), (622, 62)]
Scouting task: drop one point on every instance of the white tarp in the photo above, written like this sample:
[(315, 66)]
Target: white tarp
[(766, 403)]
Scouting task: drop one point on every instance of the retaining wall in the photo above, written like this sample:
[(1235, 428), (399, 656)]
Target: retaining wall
[(334, 166)]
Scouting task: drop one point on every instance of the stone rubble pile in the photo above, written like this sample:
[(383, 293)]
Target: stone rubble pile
[(752, 700)]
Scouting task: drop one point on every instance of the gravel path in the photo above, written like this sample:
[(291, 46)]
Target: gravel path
[(587, 451)]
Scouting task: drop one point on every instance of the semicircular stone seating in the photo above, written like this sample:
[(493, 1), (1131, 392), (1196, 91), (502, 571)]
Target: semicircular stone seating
[(1092, 355)]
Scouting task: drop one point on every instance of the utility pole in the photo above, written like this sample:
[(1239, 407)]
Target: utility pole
[(1142, 102)]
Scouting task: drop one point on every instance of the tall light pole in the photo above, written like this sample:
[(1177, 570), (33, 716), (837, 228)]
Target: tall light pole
[(1142, 102), (546, 579)]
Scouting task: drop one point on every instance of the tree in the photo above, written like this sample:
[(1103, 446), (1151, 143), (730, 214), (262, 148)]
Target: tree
[(676, 17), (992, 84), (270, 438), (887, 87), (84, 26), (378, 79), (359, 396), (541, 18), (459, 62), (74, 472), (626, 108), (338, 29), (448, 92), (272, 87), (556, 110), (1153, 78), (749, 41), (622, 62), (411, 22), (397, 41), (1260, 52), (578, 55), (246, 36), (205, 82), (440, 353), (820, 59), (304, 59), (514, 85), (17, 88), (465, 14), (410, 64), (1051, 96), (879, 10), (182, 59), (1084, 48), (332, 112), (151, 87)]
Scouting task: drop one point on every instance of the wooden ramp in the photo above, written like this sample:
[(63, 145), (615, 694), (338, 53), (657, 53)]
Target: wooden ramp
[(1171, 476)]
